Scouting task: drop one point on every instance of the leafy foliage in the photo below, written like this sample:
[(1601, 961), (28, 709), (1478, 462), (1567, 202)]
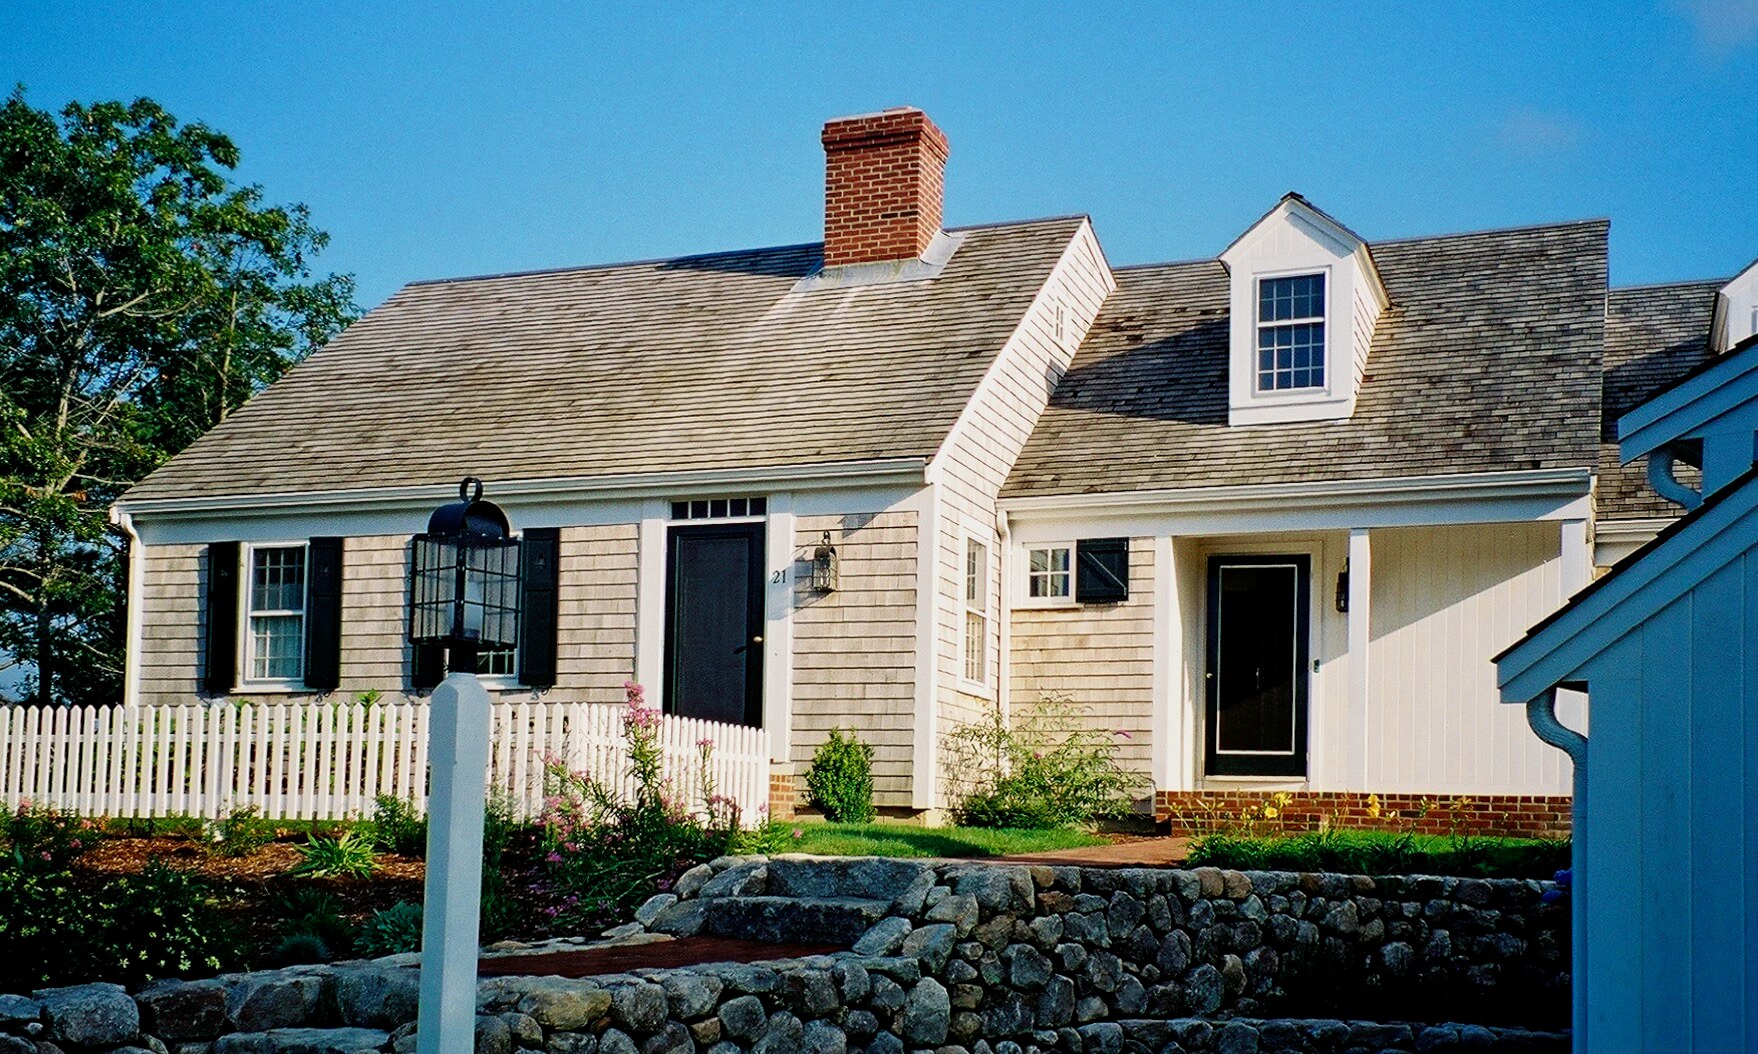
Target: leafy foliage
[(42, 838), (840, 781), (606, 854), (135, 928), (1383, 853), (1049, 767), (347, 855), (143, 296), (397, 828), (315, 930), (242, 832), (390, 931)]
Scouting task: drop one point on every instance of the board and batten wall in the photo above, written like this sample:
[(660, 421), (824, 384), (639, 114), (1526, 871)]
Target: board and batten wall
[(854, 649), (1097, 656), (595, 631), (1445, 601), (980, 453)]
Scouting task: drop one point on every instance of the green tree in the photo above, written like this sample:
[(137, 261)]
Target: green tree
[(144, 295)]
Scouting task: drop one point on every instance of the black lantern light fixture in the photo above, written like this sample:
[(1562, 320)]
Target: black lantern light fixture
[(1342, 598), (464, 593), (824, 566)]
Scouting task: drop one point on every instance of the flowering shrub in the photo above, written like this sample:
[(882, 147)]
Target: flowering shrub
[(607, 850), (1049, 767), (241, 833), (40, 837), (840, 780)]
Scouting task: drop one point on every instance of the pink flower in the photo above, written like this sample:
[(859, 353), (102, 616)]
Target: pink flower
[(798, 834), (553, 858), (46, 855), (1121, 732), (704, 742)]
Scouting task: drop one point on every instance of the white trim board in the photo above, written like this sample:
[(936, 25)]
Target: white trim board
[(1416, 501)]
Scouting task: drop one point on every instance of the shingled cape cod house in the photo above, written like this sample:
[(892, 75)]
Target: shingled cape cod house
[(1269, 514)]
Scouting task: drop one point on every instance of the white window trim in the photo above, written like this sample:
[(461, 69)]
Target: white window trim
[(1314, 392), (983, 688), (247, 579), (1022, 590)]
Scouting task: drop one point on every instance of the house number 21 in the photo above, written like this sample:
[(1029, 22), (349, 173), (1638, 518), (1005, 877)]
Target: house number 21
[(778, 577)]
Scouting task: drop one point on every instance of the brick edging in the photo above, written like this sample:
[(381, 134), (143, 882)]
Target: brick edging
[(1521, 815)]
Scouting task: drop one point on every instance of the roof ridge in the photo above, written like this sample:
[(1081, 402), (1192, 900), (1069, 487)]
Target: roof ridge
[(1675, 284), (1591, 221)]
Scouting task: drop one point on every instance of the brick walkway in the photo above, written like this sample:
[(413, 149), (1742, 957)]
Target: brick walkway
[(1145, 852), (685, 951)]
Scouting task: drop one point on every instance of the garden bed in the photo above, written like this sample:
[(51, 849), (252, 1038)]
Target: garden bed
[(1384, 853)]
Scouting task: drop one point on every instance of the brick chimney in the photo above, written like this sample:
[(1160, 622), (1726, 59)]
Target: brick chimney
[(883, 186)]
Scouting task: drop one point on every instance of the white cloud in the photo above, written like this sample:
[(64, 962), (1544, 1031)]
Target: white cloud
[(1722, 26), (1535, 132)]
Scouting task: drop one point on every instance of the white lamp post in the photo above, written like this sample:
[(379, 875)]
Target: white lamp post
[(464, 597)]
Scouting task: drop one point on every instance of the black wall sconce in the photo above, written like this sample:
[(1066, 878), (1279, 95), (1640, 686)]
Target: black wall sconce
[(1343, 588), (824, 566)]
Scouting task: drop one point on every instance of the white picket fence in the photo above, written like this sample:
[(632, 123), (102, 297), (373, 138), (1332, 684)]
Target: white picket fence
[(331, 760)]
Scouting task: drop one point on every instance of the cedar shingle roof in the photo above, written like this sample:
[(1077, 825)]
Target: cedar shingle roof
[(1488, 359), (703, 362), (1654, 336)]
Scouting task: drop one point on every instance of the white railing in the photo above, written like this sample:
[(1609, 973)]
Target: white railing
[(331, 760)]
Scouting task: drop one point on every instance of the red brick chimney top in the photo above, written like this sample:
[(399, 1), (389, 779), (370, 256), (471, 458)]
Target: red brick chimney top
[(883, 186)]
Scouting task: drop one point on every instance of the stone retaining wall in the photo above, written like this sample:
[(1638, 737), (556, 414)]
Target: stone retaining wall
[(954, 958)]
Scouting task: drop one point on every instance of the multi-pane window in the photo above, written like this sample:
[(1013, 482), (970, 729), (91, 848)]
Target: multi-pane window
[(501, 663), (718, 508), (1291, 332), (976, 611), (276, 606), (1047, 573)]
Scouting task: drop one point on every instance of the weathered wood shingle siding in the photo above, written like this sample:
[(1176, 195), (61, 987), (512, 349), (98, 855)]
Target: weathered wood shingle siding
[(1096, 656), (981, 450), (854, 649), (595, 630)]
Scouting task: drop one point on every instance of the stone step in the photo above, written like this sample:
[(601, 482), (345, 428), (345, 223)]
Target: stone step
[(803, 920)]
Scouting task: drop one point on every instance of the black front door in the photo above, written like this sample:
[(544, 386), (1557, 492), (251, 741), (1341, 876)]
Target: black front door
[(714, 623), (1257, 680)]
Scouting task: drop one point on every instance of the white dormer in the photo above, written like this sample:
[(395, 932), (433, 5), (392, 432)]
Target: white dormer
[(1303, 303), (1736, 310)]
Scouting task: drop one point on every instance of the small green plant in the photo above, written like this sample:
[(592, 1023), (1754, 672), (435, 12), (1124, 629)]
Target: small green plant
[(369, 697), (390, 931), (315, 914), (1051, 766), (241, 833), (397, 828), (840, 781), (299, 949), (347, 855), (41, 837)]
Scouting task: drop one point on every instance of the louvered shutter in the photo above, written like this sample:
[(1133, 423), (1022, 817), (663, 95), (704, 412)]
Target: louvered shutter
[(220, 671), (539, 563), (323, 615)]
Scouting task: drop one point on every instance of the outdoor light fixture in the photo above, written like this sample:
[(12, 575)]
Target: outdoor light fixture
[(463, 596), (464, 593), (824, 566), (1343, 588)]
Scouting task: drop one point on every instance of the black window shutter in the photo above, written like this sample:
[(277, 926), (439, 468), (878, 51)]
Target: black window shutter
[(539, 563), (221, 671), (1101, 570), (428, 662), (323, 615)]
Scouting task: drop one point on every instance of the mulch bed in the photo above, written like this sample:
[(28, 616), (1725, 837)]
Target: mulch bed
[(685, 951)]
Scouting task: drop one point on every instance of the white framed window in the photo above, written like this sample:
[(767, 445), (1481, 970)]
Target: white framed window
[(502, 665), (976, 612), (1291, 333), (274, 606), (1046, 575)]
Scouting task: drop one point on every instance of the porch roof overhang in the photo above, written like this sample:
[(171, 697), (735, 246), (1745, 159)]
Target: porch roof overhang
[(1405, 501)]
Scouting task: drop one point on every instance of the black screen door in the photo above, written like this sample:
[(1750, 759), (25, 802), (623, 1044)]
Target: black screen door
[(1257, 678), (714, 623)]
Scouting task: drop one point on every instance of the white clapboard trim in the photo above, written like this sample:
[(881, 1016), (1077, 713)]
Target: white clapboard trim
[(322, 760)]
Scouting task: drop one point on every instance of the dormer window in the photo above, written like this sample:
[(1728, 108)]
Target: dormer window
[(1291, 332)]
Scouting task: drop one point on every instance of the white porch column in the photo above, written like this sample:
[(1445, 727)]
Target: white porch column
[(925, 767), (778, 667), (1351, 772), (650, 600), (1577, 557), (1169, 746)]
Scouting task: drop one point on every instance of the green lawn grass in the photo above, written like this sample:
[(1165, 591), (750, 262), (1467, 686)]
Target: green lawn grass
[(1384, 853), (896, 839)]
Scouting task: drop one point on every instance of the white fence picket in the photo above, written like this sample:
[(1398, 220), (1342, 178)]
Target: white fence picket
[(330, 761)]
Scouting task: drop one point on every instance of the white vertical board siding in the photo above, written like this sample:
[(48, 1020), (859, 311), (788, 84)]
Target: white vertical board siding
[(1445, 600), (595, 626), (981, 451), (1099, 656), (854, 649)]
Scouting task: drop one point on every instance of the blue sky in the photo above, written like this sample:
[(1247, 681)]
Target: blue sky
[(435, 140)]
